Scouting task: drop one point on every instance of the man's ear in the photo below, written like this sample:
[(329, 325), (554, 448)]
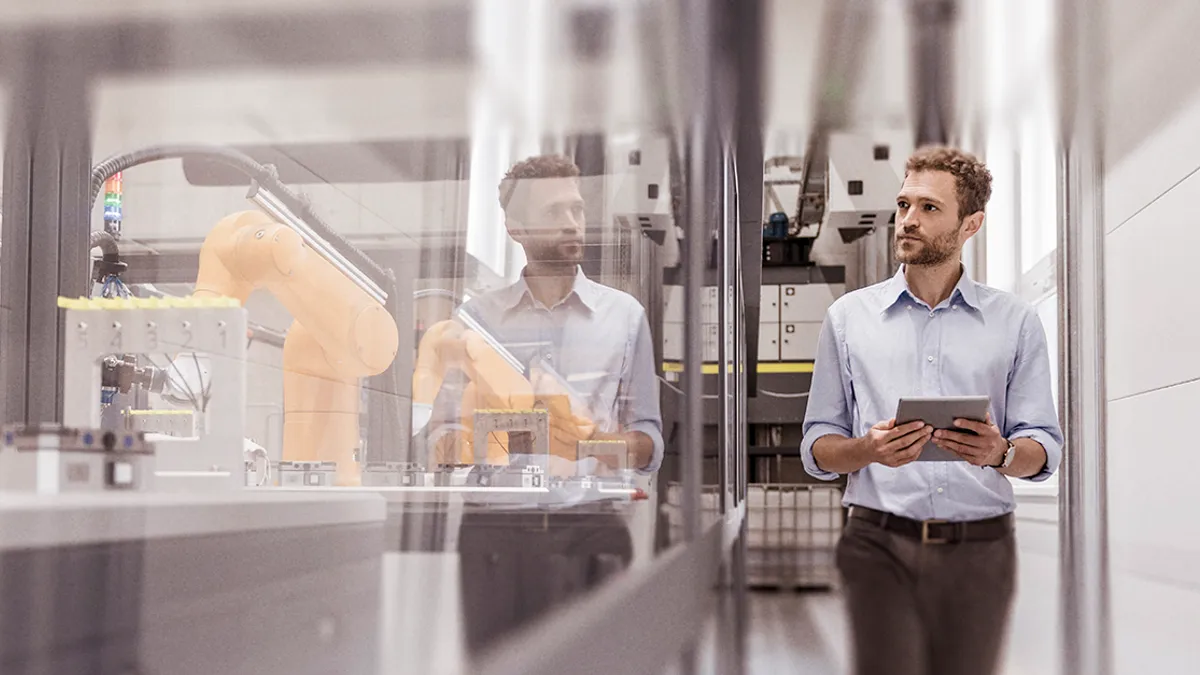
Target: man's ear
[(972, 224)]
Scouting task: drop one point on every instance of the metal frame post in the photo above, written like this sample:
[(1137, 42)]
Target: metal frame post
[(746, 18), (932, 31), (697, 55), (46, 221), (1083, 516), (724, 321), (697, 27)]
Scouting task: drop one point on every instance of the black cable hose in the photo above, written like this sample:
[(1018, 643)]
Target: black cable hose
[(264, 176), (109, 264), (106, 243)]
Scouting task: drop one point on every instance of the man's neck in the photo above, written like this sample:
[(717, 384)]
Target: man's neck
[(932, 284), (550, 284)]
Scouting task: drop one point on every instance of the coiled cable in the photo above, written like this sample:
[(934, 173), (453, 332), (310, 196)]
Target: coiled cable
[(261, 174)]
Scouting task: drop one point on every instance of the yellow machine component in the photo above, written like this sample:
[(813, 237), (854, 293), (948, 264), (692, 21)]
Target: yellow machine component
[(96, 304), (339, 334)]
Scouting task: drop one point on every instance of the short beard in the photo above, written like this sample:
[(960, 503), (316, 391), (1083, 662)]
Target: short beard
[(932, 252)]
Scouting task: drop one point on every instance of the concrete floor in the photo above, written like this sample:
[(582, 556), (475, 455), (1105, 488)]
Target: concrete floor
[(808, 633), (796, 633)]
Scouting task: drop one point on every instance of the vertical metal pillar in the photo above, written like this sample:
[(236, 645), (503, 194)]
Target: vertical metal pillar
[(696, 25), (1083, 519), (746, 19), (724, 452), (747, 35), (46, 221), (697, 101), (737, 561), (933, 35)]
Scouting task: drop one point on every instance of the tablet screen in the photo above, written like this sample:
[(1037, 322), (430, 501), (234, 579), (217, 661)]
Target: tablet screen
[(940, 413)]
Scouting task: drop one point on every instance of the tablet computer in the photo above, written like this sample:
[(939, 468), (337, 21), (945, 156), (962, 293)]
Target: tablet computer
[(940, 413)]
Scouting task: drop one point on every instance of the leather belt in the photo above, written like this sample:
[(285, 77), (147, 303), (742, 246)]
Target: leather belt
[(937, 531)]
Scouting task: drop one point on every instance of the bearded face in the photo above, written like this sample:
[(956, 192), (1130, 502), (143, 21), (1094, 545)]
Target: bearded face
[(547, 220), (912, 248), (929, 230)]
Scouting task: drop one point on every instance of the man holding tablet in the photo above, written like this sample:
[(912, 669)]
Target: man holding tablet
[(928, 557)]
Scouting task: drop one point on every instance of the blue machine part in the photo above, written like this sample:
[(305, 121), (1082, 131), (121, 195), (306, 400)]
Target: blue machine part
[(777, 226)]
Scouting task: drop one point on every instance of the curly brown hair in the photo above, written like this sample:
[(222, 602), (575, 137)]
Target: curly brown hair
[(972, 180), (539, 166)]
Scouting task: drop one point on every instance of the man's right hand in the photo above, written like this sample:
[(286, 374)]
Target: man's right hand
[(893, 445)]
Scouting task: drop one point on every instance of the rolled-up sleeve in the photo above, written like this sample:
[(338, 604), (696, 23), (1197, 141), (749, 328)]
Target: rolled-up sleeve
[(829, 405), (639, 406), (1030, 411)]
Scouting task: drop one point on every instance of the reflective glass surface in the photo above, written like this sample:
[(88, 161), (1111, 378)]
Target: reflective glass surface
[(374, 359)]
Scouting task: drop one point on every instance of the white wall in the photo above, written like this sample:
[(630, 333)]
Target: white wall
[(1153, 362), (1153, 367), (1153, 329)]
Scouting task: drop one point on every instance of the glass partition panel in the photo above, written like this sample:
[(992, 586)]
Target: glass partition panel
[(371, 354)]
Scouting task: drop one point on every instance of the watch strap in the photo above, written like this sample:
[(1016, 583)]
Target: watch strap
[(1010, 454)]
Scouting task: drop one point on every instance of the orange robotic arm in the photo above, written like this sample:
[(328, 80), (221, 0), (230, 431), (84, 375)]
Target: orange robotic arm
[(339, 334)]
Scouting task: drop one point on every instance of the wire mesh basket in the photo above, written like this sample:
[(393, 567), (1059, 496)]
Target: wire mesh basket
[(710, 507), (792, 531)]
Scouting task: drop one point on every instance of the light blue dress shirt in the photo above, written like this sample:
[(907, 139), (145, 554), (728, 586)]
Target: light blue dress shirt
[(597, 339), (881, 343)]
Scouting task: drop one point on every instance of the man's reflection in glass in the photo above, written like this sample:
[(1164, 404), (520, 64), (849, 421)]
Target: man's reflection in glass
[(588, 355)]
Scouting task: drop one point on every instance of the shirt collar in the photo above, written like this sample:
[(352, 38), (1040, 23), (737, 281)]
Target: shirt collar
[(896, 287), (583, 289)]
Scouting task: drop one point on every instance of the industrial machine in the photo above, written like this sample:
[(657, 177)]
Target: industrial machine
[(395, 474), (339, 333), (864, 177), (51, 459), (642, 200), (341, 330), (212, 457)]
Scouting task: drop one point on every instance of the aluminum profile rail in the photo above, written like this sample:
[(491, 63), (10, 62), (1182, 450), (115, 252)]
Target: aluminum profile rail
[(1083, 504), (269, 203)]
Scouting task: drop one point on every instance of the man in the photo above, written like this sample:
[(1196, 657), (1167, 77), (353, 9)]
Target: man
[(596, 339), (928, 557)]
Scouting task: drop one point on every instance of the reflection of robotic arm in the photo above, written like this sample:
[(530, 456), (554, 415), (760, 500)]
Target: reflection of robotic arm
[(448, 344), (495, 384), (339, 332)]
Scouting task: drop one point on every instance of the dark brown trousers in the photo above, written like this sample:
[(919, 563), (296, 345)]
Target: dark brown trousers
[(925, 609), (517, 565)]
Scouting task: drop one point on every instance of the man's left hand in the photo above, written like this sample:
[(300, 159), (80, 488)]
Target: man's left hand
[(985, 447)]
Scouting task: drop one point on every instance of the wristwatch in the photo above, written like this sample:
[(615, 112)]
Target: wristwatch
[(1009, 455)]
